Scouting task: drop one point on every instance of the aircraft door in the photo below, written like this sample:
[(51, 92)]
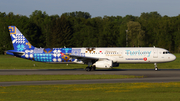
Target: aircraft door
[(120, 54), (155, 54)]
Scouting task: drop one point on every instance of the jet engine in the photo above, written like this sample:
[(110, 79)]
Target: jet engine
[(104, 64)]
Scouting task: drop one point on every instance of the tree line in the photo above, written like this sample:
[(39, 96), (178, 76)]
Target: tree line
[(78, 29)]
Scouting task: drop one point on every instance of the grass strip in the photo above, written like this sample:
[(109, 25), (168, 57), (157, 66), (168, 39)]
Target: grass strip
[(88, 92), (4, 78), (11, 62)]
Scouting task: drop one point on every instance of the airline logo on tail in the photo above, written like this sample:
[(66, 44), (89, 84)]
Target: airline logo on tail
[(12, 29)]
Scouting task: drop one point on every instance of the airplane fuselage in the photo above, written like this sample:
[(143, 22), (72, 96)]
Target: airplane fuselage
[(118, 55)]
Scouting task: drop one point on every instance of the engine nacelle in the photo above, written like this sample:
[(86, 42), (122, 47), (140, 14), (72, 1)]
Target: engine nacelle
[(104, 64)]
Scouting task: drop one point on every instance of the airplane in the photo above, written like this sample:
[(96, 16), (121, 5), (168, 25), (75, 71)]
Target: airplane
[(94, 57)]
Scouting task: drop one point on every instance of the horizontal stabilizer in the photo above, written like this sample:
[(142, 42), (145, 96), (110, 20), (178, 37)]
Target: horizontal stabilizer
[(15, 52)]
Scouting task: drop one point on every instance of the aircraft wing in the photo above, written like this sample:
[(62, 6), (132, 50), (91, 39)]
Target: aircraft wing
[(83, 57), (86, 59)]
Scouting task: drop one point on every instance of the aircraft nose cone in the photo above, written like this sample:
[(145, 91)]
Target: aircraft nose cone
[(173, 57)]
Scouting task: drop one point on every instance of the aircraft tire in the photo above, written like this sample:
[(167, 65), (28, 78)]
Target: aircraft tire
[(155, 68), (88, 69)]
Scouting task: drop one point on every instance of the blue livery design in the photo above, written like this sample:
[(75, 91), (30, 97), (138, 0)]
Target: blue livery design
[(77, 52), (24, 49)]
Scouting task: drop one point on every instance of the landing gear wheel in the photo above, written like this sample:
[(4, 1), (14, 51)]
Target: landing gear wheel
[(88, 68), (155, 68)]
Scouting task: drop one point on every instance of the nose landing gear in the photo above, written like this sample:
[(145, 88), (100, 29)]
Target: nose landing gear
[(155, 65)]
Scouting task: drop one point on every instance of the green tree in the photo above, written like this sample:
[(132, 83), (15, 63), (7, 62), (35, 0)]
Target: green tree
[(61, 32), (42, 20), (135, 34), (78, 14)]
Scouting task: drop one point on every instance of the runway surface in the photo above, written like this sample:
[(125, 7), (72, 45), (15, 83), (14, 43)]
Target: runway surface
[(162, 75)]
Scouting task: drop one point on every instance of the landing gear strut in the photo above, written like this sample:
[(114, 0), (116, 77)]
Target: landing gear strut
[(89, 68), (155, 65), (93, 68)]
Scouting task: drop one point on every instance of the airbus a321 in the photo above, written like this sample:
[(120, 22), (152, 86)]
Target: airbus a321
[(93, 57)]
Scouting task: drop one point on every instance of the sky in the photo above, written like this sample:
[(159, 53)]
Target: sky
[(96, 8)]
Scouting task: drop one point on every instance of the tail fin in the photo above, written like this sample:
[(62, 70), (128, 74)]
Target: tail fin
[(20, 43)]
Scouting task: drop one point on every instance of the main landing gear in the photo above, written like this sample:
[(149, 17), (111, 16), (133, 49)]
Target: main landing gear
[(155, 65), (89, 68)]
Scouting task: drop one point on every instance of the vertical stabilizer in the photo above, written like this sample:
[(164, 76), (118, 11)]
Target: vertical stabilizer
[(20, 43)]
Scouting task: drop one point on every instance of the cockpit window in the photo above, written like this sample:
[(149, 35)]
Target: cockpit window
[(166, 52)]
